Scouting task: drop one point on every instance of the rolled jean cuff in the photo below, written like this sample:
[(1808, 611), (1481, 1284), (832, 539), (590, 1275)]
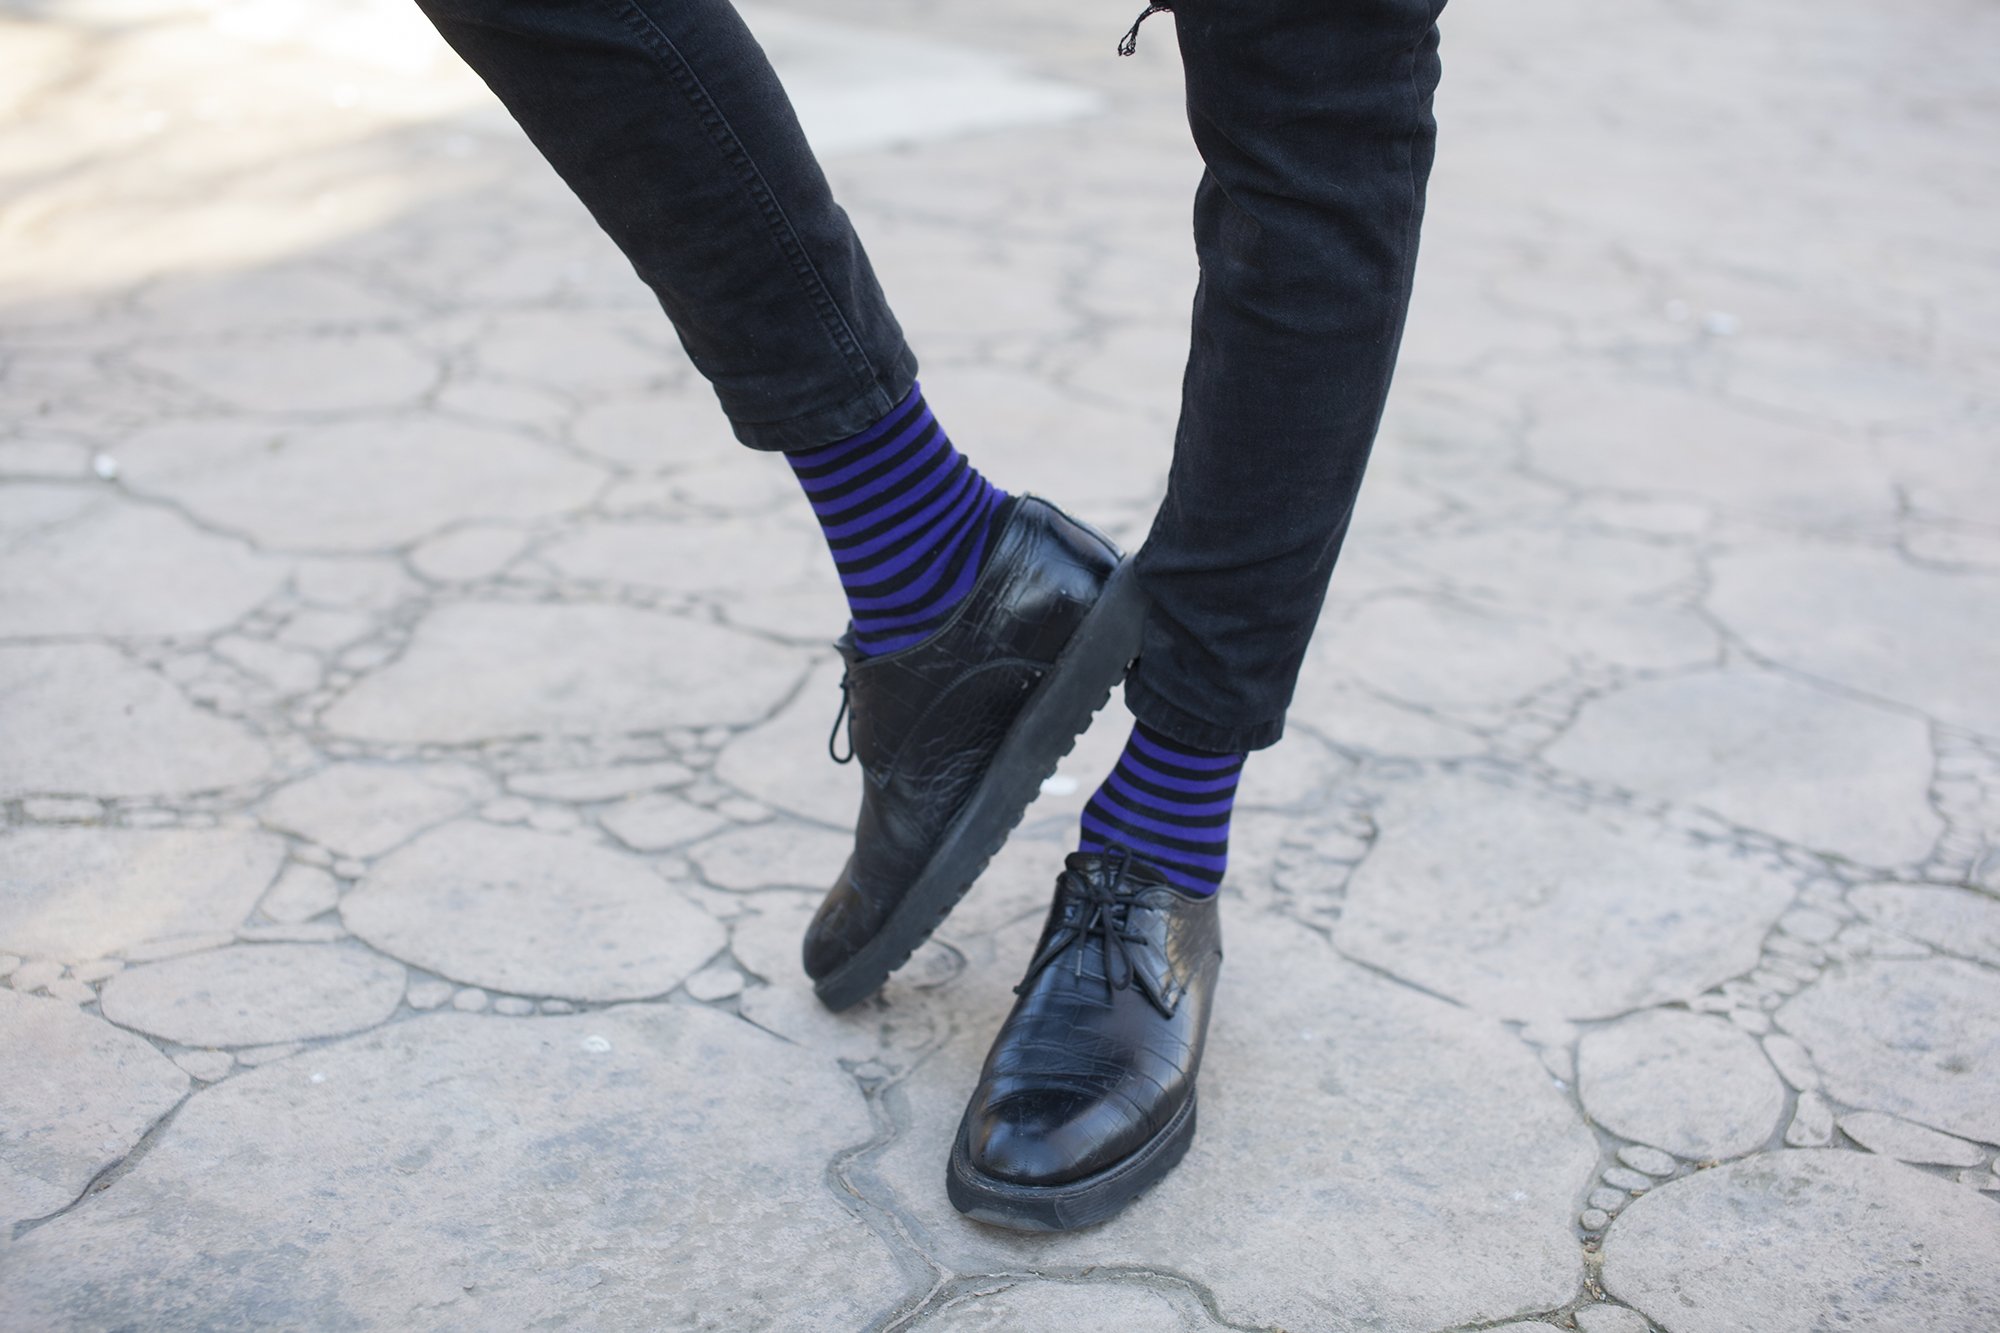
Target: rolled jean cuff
[(1191, 729), (827, 425)]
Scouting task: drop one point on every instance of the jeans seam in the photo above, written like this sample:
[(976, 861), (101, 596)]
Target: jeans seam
[(833, 322)]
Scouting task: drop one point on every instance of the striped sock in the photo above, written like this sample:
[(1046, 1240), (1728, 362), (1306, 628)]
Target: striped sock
[(1170, 806), (907, 518)]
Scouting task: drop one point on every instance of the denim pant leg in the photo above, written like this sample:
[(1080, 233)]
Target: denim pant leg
[(667, 121), (1313, 118)]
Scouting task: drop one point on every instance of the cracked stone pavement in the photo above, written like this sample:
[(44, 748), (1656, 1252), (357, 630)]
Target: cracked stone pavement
[(412, 703)]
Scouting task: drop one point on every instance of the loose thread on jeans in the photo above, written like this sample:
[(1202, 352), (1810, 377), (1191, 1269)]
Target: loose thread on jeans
[(1129, 43)]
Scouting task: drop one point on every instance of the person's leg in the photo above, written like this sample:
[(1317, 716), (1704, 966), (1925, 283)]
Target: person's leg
[(1314, 121), (669, 124), (985, 630)]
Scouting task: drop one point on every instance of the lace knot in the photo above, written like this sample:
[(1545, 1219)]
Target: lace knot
[(1102, 905)]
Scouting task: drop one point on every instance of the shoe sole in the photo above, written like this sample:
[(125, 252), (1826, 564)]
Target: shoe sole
[(1066, 1207), (1078, 684)]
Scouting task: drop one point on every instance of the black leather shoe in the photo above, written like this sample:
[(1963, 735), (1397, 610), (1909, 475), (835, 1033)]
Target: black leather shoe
[(1088, 1096), (956, 734)]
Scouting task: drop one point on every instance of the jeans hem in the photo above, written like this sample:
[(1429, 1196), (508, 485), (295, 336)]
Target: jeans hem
[(827, 425), (1190, 729)]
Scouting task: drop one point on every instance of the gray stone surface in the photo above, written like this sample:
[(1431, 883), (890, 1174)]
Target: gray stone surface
[(651, 823), (82, 893), (1812, 1122), (1925, 648), (1807, 765), (599, 784), (1791, 1242), (121, 569), (78, 1094), (1610, 1319), (1919, 1039), (256, 994), (1572, 913), (780, 855), (1650, 1160), (55, 701), (422, 475), (774, 762), (1057, 1305), (1687, 1083), (575, 670), (508, 1171), (365, 809), (532, 914), (1894, 1137), (1958, 921), (301, 893)]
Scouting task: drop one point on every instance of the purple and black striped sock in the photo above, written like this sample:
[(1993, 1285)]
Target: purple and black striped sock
[(1170, 806), (907, 518)]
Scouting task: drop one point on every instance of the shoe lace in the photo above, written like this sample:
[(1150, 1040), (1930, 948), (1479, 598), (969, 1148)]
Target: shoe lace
[(1102, 897), (833, 737)]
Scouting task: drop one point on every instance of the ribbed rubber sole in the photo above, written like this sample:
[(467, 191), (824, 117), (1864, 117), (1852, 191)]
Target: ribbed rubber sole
[(1067, 1207), (1078, 684)]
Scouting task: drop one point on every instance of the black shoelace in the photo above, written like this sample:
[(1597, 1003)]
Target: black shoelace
[(1106, 905)]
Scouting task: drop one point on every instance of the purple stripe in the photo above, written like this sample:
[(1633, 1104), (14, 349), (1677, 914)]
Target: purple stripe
[(1153, 850), (841, 504), (904, 597), (1203, 785), (1181, 758), (951, 526), (1187, 809), (847, 555), (1109, 808), (958, 589)]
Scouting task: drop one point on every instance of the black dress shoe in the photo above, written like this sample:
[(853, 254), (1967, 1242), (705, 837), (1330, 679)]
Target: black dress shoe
[(1088, 1097), (956, 734)]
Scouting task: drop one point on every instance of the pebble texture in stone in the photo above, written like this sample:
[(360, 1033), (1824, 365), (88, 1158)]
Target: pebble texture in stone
[(78, 1094), (81, 893), (1569, 913), (1683, 1082), (495, 1171), (1815, 1240), (256, 994), (531, 914), (1919, 1039)]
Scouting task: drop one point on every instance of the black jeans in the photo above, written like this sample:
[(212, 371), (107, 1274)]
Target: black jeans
[(1313, 118)]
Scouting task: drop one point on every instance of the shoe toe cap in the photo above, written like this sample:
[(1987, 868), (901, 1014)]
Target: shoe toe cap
[(846, 920), (1048, 1138)]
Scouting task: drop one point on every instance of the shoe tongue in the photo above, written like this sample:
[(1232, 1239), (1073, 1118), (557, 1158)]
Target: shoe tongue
[(1097, 866)]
